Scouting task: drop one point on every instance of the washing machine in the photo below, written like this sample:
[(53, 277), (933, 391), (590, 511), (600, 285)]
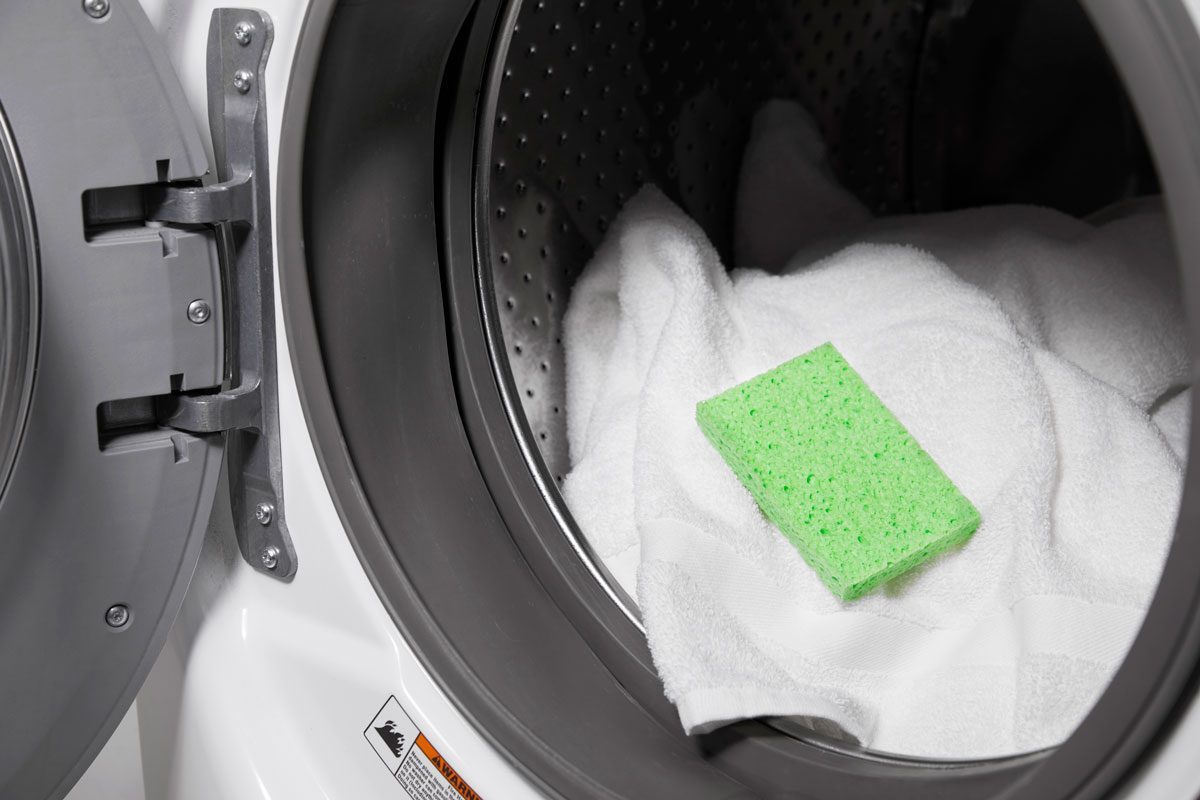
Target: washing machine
[(282, 409)]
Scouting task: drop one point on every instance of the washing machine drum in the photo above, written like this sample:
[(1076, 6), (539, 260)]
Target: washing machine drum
[(460, 166)]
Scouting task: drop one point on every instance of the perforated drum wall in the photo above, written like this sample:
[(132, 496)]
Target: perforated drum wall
[(598, 97)]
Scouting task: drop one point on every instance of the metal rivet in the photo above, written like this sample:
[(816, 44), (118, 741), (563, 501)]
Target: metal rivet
[(117, 616), (263, 513), (243, 32), (199, 311), (96, 8), (269, 557), (242, 80)]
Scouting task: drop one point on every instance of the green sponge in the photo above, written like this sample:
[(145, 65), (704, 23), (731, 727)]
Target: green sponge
[(839, 475)]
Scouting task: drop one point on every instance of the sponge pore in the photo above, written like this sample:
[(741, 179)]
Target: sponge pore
[(836, 472)]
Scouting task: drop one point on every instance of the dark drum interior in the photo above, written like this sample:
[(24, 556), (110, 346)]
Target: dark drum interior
[(924, 107)]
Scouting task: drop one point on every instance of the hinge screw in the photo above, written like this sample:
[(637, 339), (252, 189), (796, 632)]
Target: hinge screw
[(117, 616), (269, 557), (199, 311), (263, 513), (242, 80), (243, 32), (96, 9)]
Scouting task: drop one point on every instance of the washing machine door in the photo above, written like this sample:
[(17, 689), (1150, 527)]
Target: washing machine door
[(116, 376)]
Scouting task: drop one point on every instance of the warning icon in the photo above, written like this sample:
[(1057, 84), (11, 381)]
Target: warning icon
[(391, 734), (422, 771), (392, 738)]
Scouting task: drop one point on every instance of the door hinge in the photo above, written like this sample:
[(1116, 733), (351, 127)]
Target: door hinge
[(238, 205)]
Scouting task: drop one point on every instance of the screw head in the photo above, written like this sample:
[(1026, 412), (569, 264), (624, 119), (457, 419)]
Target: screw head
[(199, 311), (263, 513), (243, 33), (242, 80), (96, 9), (269, 557), (117, 616)]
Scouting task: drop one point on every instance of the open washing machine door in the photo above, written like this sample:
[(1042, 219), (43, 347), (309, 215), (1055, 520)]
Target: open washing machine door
[(133, 354)]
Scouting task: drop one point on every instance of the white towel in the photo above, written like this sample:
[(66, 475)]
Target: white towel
[(1031, 391), (772, 220)]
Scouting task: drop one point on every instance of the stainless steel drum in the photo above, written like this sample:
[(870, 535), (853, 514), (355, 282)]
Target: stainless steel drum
[(924, 106)]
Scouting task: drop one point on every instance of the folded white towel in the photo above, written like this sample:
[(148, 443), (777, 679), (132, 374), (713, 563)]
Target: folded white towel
[(1031, 391)]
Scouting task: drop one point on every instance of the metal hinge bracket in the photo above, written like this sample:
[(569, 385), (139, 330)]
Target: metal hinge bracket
[(238, 204)]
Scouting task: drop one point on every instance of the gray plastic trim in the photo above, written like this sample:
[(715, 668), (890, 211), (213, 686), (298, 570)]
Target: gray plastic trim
[(18, 301), (88, 522)]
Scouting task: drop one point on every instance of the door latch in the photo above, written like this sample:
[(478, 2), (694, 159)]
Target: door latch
[(238, 205)]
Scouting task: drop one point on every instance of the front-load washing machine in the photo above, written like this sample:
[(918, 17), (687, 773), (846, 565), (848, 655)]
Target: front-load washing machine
[(282, 407)]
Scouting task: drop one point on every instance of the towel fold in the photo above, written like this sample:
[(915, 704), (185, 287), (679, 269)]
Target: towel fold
[(1023, 349)]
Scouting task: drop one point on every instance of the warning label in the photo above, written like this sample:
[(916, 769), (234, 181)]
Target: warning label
[(412, 759)]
